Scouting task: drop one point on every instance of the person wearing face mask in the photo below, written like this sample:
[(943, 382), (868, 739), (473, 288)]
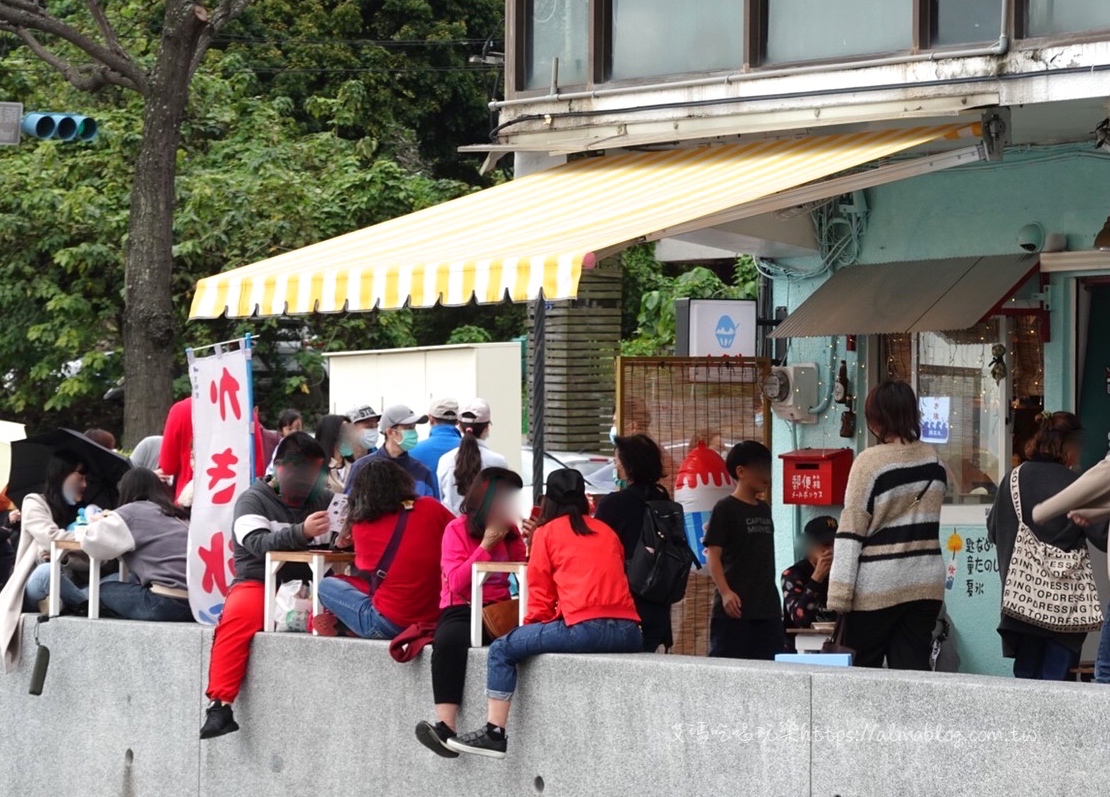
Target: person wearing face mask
[(638, 463), (366, 436), (398, 426), (335, 434), (285, 515)]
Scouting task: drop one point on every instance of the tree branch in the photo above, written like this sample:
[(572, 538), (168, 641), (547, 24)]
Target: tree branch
[(21, 16), (227, 11), (106, 29), (86, 77)]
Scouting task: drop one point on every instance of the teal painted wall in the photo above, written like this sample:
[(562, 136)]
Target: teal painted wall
[(975, 210)]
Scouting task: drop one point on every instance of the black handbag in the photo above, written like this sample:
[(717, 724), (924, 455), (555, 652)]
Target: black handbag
[(836, 643)]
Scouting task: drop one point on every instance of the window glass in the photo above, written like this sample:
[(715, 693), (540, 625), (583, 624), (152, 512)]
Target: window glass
[(653, 37), (811, 30), (1049, 17), (965, 21), (556, 29)]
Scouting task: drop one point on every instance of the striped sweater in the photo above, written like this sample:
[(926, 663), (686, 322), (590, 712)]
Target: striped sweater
[(887, 549)]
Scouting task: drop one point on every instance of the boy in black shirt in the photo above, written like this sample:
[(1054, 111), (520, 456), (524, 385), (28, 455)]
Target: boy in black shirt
[(740, 547), (805, 584)]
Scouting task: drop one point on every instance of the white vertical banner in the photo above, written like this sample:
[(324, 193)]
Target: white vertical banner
[(223, 449)]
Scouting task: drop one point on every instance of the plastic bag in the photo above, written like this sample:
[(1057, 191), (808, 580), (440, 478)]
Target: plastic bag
[(293, 606)]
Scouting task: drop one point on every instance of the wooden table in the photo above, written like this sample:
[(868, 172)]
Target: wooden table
[(806, 640), (320, 562), (477, 576)]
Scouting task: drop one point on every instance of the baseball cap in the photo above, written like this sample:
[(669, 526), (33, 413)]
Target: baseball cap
[(822, 530), (399, 415), (476, 411), (363, 413), (444, 409), (565, 485)]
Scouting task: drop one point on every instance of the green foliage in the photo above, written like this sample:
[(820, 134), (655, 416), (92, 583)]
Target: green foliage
[(469, 334), (655, 313)]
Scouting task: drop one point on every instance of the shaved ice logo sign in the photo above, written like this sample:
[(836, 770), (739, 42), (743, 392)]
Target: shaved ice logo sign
[(726, 332)]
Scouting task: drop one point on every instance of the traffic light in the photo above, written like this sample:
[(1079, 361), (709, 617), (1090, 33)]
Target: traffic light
[(61, 126)]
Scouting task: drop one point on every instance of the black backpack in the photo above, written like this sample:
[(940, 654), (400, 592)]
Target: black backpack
[(659, 564)]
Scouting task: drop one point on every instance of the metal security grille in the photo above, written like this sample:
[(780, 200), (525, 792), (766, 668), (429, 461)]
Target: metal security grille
[(680, 402)]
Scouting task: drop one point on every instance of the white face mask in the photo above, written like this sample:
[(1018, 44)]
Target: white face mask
[(370, 438), (613, 435)]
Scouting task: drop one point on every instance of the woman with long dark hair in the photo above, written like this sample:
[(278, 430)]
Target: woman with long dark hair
[(383, 503), (578, 602), (334, 434), (638, 462), (459, 469), (485, 532), (150, 534), (1041, 653), (48, 516), (887, 568)]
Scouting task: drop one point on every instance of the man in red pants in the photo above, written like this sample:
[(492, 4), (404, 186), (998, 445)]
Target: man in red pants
[(284, 516)]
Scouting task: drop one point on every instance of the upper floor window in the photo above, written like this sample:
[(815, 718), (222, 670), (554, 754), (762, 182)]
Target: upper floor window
[(649, 39), (814, 30), (1054, 17), (556, 29), (954, 22)]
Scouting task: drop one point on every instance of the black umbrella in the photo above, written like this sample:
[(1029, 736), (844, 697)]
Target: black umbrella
[(30, 456)]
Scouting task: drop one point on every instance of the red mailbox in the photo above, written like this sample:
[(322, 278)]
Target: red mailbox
[(815, 476)]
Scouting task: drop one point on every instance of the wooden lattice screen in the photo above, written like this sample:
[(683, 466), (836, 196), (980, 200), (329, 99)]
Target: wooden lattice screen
[(679, 402)]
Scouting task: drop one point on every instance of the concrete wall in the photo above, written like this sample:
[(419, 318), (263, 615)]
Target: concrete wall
[(122, 706)]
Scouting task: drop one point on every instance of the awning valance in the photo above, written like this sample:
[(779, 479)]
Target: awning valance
[(538, 232), (920, 296)]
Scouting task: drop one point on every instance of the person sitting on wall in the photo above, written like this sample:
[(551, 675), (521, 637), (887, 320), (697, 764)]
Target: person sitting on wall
[(485, 532), (383, 503), (578, 602), (150, 534), (286, 515), (805, 584), (398, 425)]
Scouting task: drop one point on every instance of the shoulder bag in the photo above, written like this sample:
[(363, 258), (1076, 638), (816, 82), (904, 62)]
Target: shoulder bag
[(1046, 586)]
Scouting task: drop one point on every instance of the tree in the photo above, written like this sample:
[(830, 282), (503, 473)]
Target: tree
[(88, 51)]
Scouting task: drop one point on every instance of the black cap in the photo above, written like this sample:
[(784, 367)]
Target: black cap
[(565, 485), (822, 530)]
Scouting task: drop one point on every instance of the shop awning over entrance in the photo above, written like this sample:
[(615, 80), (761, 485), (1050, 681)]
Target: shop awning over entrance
[(540, 231), (922, 296)]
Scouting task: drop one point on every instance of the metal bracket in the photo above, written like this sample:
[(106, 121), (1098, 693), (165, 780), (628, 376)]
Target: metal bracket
[(996, 132)]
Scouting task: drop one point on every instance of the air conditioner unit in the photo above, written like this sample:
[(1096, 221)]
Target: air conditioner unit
[(792, 391)]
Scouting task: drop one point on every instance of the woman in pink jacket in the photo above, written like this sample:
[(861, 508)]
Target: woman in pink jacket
[(485, 532)]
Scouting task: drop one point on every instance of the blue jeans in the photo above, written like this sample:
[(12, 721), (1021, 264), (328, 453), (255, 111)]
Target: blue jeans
[(1043, 659), (38, 587), (590, 636), (355, 610), (1102, 663), (134, 602)]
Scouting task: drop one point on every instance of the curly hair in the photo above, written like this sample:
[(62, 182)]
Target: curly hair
[(379, 489), (1058, 432)]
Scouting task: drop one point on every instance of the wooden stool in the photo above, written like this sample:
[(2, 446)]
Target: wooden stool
[(320, 562), (57, 549), (477, 576)]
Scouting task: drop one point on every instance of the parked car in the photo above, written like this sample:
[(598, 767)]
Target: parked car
[(595, 469)]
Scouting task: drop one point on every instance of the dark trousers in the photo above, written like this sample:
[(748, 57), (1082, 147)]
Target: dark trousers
[(450, 648), (731, 638), (1043, 659), (901, 635), (655, 622)]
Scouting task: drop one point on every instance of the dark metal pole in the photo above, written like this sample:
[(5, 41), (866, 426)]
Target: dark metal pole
[(539, 323)]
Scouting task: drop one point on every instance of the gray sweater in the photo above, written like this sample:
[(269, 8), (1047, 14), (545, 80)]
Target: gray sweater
[(1038, 481), (263, 522), (153, 545)]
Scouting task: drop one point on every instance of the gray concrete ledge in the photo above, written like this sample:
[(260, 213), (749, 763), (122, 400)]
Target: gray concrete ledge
[(123, 703)]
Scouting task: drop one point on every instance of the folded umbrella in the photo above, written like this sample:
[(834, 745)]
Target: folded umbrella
[(30, 457)]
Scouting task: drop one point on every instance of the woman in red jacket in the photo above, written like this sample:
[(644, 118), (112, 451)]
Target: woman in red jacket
[(578, 602)]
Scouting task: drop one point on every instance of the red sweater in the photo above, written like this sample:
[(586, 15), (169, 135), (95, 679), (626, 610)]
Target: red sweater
[(410, 593), (177, 445), (577, 578)]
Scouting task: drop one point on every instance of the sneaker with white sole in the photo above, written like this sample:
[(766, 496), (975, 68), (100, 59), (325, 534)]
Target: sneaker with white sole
[(479, 742), (435, 738)]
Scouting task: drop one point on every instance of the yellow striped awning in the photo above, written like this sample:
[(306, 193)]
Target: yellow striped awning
[(540, 231)]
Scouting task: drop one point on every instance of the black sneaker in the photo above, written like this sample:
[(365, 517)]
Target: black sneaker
[(435, 737), (479, 743), (218, 721)]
